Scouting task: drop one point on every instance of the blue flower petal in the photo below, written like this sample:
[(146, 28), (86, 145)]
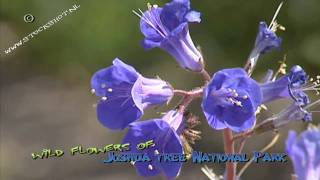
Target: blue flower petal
[(303, 152), (266, 40), (231, 99), (147, 92), (174, 13), (165, 139), (118, 113), (112, 77), (180, 46), (193, 16), (150, 25)]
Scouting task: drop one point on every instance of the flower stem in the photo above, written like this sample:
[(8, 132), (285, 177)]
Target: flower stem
[(180, 92), (194, 93), (229, 149), (187, 97), (206, 76)]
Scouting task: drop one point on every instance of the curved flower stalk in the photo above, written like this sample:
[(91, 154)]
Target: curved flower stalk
[(265, 42), (294, 85), (304, 153), (165, 134), (231, 99), (167, 28), (125, 94)]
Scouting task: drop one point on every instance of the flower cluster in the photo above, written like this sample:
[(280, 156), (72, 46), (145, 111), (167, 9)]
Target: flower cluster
[(231, 99)]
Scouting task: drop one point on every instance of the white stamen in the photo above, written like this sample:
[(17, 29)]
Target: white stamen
[(311, 79), (143, 17), (318, 77), (234, 101), (245, 97), (258, 111), (283, 71), (235, 94), (92, 91), (275, 15), (132, 162), (104, 98), (110, 89), (150, 167), (156, 152), (238, 103)]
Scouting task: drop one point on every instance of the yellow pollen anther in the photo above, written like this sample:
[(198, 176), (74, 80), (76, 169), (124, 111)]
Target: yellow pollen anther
[(282, 28), (264, 107)]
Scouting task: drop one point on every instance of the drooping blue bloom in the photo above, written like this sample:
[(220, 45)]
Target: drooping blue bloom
[(165, 135), (125, 94), (304, 153), (266, 41), (294, 112), (167, 28), (291, 85), (231, 99)]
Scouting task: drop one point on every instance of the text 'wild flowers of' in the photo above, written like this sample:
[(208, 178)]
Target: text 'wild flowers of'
[(231, 99)]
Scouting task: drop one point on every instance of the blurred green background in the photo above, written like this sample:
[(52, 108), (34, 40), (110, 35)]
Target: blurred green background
[(45, 84)]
